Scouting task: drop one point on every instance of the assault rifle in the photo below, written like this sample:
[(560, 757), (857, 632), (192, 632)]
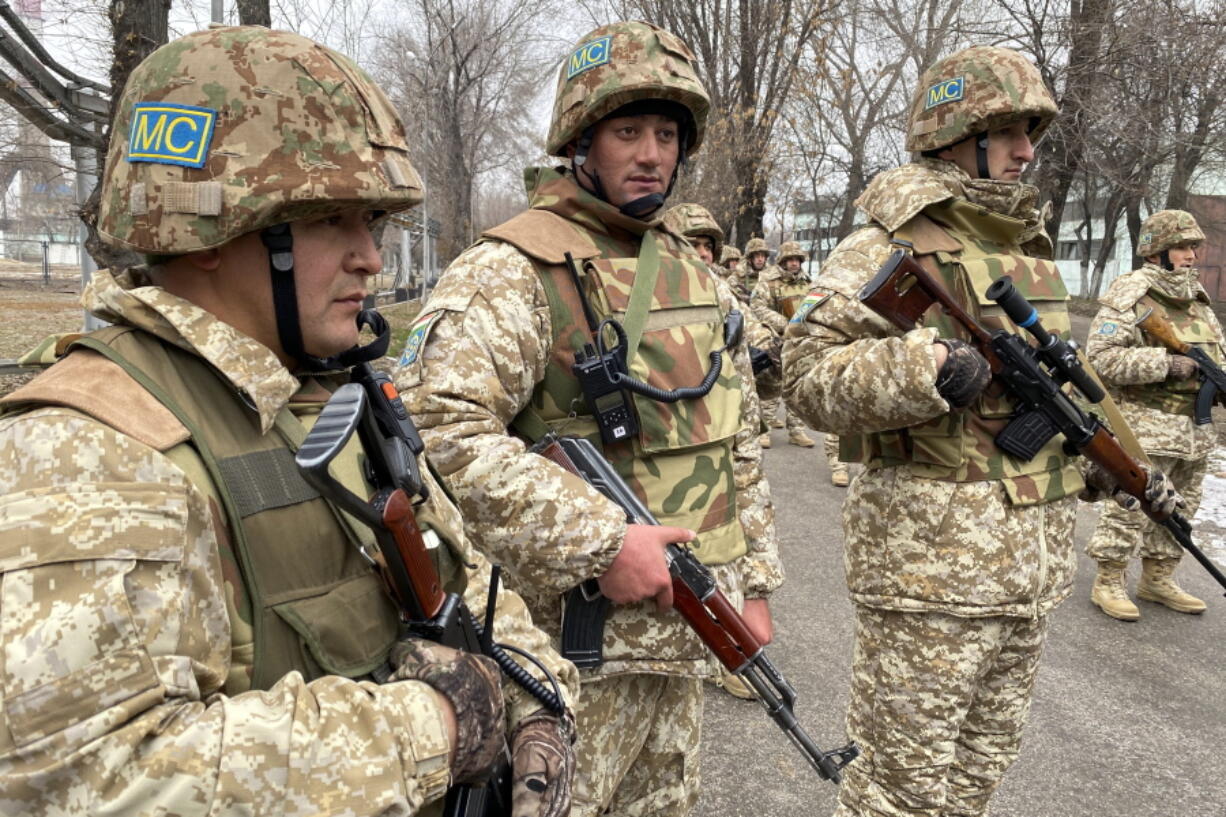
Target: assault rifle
[(695, 596), (1212, 378), (371, 406), (903, 291)]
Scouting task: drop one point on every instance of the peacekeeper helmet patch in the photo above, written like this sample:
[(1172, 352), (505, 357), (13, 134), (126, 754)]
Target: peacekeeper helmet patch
[(815, 298), (588, 56), (168, 134), (947, 90), (417, 335), (1107, 328)]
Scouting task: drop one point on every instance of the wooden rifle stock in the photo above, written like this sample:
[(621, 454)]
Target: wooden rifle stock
[(1162, 331)]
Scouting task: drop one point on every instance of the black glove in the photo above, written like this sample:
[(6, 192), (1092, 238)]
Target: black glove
[(473, 686), (964, 374), (542, 765)]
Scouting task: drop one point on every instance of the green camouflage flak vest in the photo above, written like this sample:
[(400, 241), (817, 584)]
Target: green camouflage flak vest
[(300, 595), (1187, 318), (970, 248), (681, 462)]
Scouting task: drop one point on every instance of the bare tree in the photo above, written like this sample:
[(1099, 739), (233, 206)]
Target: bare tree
[(254, 12), (464, 73)]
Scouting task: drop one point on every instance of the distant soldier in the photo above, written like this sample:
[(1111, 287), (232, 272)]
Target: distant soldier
[(730, 260), (956, 552), (1157, 393), (189, 626), (779, 290), (492, 370), (757, 254)]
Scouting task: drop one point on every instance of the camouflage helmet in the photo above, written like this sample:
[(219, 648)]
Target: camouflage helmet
[(1166, 229), (976, 90), (730, 253), (618, 64), (756, 245), (790, 249), (694, 220), (231, 130)]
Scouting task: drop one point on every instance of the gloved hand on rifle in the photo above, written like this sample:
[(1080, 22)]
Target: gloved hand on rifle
[(542, 765), (473, 686), (1179, 367), (1160, 492), (962, 373)]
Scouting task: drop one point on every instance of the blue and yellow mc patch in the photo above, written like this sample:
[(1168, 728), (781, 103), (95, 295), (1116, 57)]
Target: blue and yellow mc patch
[(588, 55), (168, 134), (947, 90), (815, 298), (1107, 328), (417, 335)]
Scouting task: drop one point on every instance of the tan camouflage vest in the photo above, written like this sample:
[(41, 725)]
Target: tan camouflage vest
[(300, 596), (970, 252), (789, 294), (681, 463), (1187, 318)]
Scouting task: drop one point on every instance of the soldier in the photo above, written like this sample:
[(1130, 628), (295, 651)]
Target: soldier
[(491, 367), (756, 256), (189, 627), (955, 552), (1157, 392), (774, 298), (730, 260)]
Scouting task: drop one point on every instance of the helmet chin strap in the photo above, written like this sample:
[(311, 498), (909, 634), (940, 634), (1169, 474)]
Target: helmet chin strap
[(1164, 260), (981, 156), (280, 244)]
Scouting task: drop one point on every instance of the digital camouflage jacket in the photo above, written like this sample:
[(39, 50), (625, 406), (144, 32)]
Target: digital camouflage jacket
[(940, 520), (127, 679), (485, 344), (1134, 365)]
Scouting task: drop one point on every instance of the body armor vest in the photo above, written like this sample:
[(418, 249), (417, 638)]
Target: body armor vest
[(960, 445), (1184, 316), (789, 294), (305, 598), (680, 464)]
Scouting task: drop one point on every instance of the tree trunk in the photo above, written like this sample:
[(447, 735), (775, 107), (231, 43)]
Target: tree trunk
[(254, 13)]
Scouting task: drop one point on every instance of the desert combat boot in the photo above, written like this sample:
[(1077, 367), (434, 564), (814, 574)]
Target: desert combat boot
[(1109, 593), (1158, 584)]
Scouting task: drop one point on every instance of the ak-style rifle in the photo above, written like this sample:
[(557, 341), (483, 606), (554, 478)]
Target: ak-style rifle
[(1212, 378), (695, 596)]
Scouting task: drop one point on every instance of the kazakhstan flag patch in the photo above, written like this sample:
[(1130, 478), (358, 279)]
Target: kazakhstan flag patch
[(417, 335), (811, 302)]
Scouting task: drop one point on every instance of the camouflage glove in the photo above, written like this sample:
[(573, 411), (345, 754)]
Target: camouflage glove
[(964, 374), (1159, 491), (543, 765), (1161, 494), (1179, 367), (473, 686)]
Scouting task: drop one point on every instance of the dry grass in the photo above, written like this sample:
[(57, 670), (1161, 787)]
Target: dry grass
[(31, 310)]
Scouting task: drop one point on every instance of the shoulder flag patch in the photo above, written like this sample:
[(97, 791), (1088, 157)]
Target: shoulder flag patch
[(588, 55), (815, 298), (169, 134), (947, 90), (1107, 328), (417, 335)]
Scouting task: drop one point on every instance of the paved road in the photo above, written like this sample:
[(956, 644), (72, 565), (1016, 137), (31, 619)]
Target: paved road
[(1128, 720)]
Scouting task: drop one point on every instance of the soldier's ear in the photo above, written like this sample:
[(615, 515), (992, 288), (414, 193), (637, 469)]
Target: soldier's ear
[(204, 260)]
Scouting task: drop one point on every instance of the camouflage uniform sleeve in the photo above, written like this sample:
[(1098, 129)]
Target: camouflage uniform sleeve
[(761, 567), (513, 623), (117, 644), (485, 351), (848, 370), (1119, 353), (762, 302)]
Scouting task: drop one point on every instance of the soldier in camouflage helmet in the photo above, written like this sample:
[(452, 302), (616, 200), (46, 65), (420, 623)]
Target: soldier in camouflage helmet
[(196, 619), (955, 551), (488, 368), (757, 254), (1156, 390), (779, 289), (730, 259)]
